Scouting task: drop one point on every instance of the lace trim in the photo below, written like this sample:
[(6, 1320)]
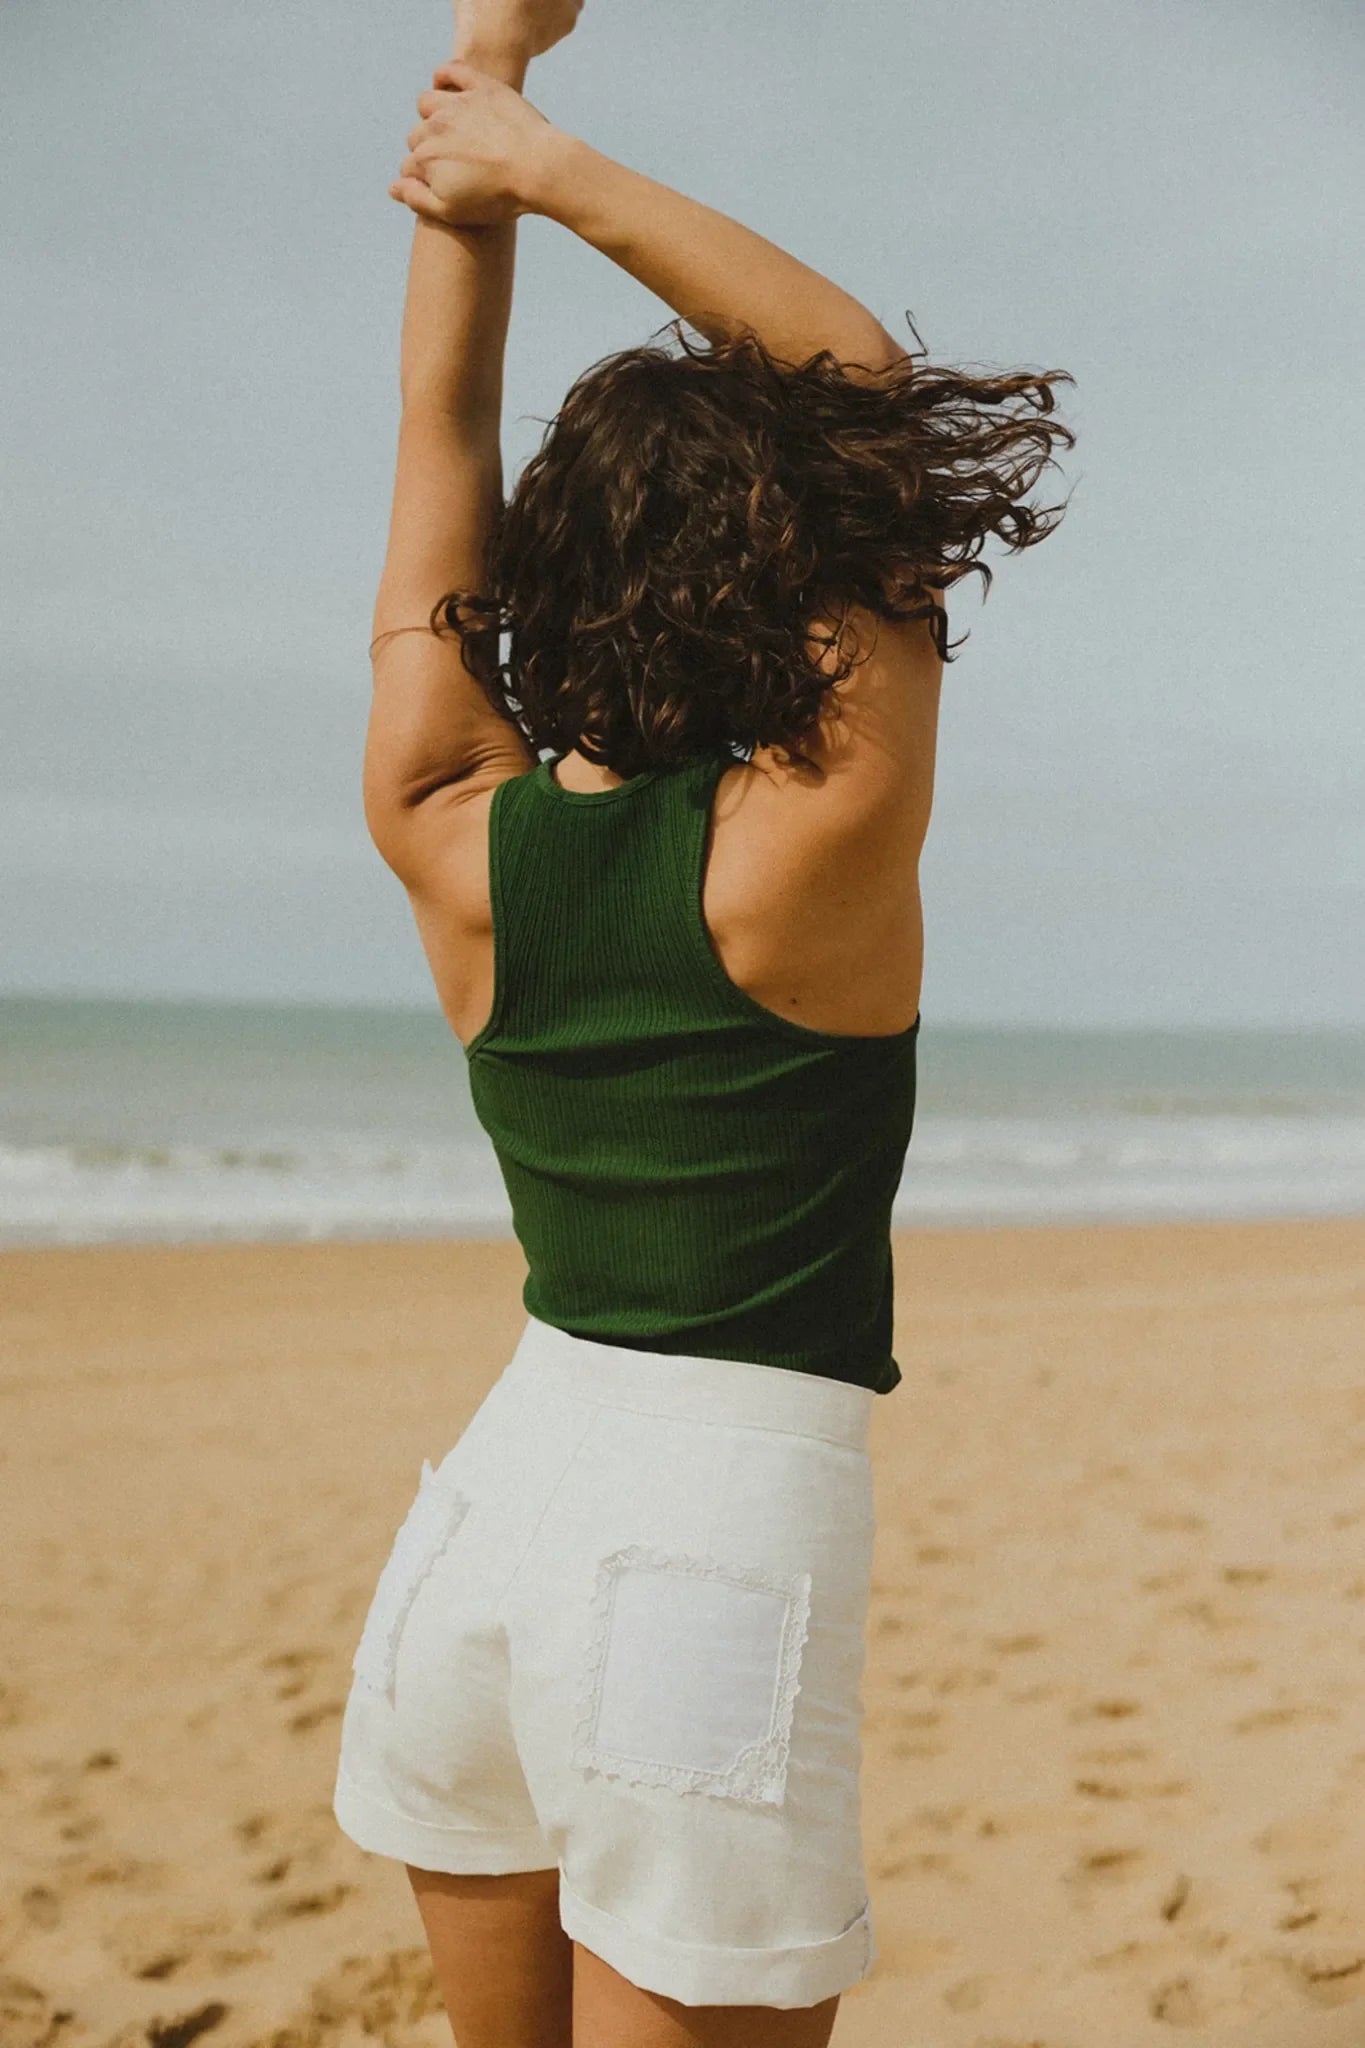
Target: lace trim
[(758, 1773), (432, 1519)]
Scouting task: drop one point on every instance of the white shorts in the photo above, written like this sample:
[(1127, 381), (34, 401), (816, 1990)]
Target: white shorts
[(622, 1633)]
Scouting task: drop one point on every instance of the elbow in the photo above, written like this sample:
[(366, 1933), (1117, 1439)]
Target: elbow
[(870, 353)]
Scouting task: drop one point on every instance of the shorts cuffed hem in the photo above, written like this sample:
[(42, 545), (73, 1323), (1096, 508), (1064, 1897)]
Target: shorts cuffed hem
[(693, 1975), (458, 1852)]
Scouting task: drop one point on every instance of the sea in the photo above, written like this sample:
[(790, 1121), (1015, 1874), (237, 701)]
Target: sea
[(126, 1122)]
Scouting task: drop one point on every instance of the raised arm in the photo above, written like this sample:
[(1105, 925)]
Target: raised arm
[(480, 156), (721, 276), (430, 722)]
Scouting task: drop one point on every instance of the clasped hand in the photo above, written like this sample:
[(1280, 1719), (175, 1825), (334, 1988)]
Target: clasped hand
[(478, 156)]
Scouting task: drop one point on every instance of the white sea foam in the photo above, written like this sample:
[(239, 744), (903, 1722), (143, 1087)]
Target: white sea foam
[(1137, 1168), (131, 1121), (77, 1194), (959, 1170)]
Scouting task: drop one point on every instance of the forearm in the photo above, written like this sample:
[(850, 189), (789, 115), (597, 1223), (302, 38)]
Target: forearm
[(459, 301), (719, 275)]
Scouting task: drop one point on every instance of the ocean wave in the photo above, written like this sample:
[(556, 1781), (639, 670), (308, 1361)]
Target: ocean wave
[(960, 1169), (126, 1193)]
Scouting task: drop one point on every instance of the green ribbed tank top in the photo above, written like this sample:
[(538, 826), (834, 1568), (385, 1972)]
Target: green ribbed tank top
[(688, 1171)]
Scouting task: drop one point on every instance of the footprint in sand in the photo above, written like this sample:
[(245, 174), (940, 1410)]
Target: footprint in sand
[(304, 1905), (28, 2018), (1207, 1614), (188, 1959), (1332, 1978), (83, 1830), (1104, 1867), (937, 1820), (1179, 2004), (366, 1998), (314, 1717), (157, 1949), (1269, 1718), (1307, 1895), (929, 1863), (161, 1968), (916, 1740), (1107, 1788), (964, 1678), (307, 1836), (1106, 1710), (1164, 1582), (296, 1670), (42, 1907), (179, 2031)]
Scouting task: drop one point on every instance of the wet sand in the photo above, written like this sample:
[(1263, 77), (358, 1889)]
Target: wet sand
[(1115, 1737)]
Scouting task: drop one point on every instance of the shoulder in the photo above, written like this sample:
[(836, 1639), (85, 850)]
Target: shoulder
[(870, 778)]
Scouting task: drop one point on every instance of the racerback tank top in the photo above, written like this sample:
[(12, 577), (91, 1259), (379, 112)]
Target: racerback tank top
[(688, 1171)]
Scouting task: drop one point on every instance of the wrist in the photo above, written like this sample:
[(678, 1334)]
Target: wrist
[(508, 61), (560, 178)]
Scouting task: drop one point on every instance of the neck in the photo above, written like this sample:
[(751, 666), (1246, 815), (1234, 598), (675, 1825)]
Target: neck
[(576, 772)]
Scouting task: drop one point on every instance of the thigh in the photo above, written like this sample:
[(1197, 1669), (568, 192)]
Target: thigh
[(611, 2012), (503, 1963)]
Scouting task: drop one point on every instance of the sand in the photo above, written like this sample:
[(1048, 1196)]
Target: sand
[(1115, 1776)]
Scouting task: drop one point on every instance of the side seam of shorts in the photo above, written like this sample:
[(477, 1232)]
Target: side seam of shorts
[(695, 1975)]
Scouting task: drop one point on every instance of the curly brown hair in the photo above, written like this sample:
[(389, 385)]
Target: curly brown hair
[(676, 566)]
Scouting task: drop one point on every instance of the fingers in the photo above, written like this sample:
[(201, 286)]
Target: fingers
[(418, 196), (456, 75), (410, 186)]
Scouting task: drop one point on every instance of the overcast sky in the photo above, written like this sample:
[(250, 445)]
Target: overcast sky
[(1151, 790)]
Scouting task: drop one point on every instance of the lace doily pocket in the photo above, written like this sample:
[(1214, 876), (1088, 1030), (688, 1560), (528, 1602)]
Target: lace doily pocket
[(435, 1515), (692, 1674)]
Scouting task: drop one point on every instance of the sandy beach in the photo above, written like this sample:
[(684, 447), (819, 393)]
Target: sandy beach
[(1115, 1736)]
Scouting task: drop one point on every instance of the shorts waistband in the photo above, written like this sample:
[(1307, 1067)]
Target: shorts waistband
[(694, 1388)]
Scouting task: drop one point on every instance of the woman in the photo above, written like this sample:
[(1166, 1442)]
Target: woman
[(607, 1700)]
